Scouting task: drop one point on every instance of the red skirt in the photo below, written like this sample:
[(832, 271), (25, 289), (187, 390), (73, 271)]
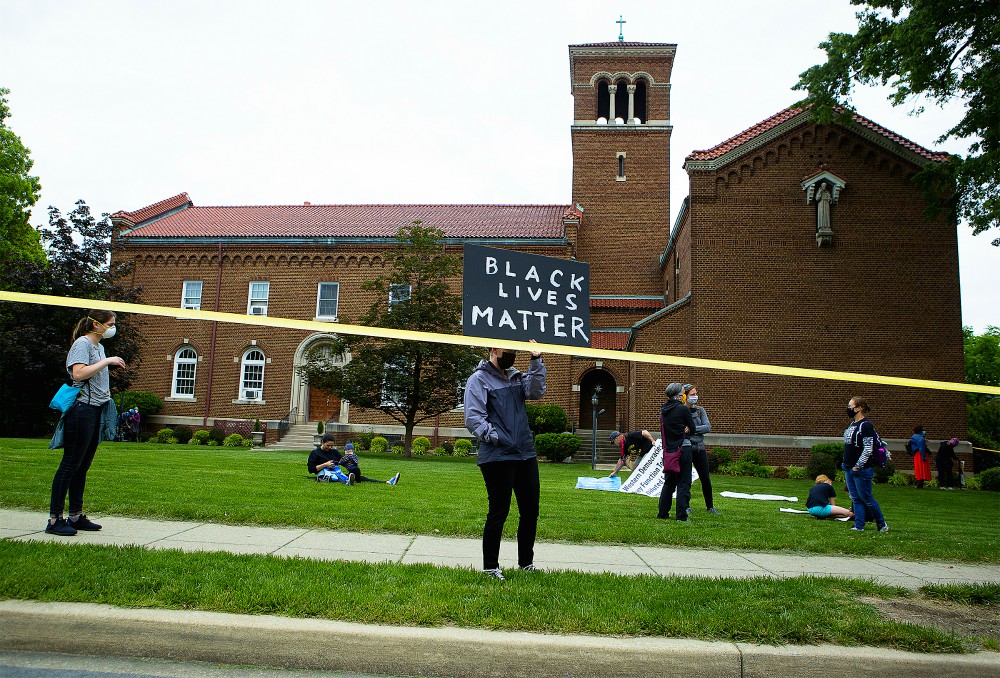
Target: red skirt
[(921, 468)]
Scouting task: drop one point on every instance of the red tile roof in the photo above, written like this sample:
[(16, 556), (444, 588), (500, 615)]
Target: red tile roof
[(358, 221), (140, 215), (615, 43), (789, 113), (609, 339), (626, 303)]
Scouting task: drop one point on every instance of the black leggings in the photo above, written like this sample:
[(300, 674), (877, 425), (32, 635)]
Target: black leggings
[(501, 477), (699, 459), (81, 433), (356, 470)]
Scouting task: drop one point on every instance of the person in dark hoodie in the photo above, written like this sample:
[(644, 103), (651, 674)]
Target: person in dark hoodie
[(675, 421), (495, 413), (324, 461)]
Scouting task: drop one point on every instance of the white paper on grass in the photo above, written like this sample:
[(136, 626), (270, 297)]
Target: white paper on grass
[(647, 478), (761, 497)]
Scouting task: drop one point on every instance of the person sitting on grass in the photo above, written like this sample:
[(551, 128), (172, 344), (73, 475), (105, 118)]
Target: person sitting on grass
[(324, 462), (821, 501), (349, 461)]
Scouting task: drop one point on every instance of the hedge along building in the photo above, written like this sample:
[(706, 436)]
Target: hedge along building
[(800, 244)]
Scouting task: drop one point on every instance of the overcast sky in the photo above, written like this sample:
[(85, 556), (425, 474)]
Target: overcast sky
[(125, 102)]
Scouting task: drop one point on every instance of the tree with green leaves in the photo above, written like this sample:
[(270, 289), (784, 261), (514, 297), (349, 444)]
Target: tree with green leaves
[(411, 381), (19, 192), (939, 49), (982, 366), (34, 338)]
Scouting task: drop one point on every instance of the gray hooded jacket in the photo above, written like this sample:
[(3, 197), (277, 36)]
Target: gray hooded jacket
[(495, 412)]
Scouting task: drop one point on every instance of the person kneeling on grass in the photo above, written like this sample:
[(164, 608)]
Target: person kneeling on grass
[(821, 501)]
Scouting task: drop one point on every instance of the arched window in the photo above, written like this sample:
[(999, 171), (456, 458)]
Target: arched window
[(640, 100), (621, 100), (185, 368), (252, 375), (603, 104)]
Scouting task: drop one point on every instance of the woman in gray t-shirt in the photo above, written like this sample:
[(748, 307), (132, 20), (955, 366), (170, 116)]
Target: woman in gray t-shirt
[(88, 366)]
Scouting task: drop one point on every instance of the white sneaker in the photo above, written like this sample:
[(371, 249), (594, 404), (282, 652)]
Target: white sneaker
[(495, 573), (530, 568), (884, 528), (393, 480), (351, 479)]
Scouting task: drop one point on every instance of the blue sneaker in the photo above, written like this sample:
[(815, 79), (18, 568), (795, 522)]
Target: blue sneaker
[(61, 527), (393, 480)]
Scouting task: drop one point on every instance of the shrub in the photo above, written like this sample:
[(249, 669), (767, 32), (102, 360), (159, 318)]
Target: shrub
[(193, 441), (556, 446), (233, 440), (989, 479), (145, 436), (183, 433), (448, 447), (752, 457), (724, 455), (820, 464), (797, 473), (378, 444), (164, 435), (835, 450), (899, 480), (172, 441), (200, 437), (363, 440), (148, 403), (840, 478), (882, 475), (546, 418), (440, 451), (420, 445), (742, 468), (320, 428), (396, 449), (217, 434), (212, 443), (780, 472), (973, 483), (463, 446)]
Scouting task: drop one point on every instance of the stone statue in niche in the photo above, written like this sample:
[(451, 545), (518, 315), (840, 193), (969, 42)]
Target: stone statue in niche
[(824, 232)]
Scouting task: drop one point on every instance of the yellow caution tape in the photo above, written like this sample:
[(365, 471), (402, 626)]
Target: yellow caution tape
[(986, 449), (410, 335)]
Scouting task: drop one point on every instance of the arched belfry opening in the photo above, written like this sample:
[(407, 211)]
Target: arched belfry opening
[(603, 103), (621, 100), (640, 100)]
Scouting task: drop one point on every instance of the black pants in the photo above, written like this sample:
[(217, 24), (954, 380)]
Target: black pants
[(501, 478), (81, 433), (356, 470), (699, 459), (680, 482), (945, 479)]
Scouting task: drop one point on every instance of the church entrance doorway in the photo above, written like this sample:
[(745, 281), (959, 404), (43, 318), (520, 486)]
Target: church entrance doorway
[(606, 400)]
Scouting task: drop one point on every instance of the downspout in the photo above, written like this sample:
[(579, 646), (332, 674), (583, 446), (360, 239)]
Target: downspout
[(211, 348)]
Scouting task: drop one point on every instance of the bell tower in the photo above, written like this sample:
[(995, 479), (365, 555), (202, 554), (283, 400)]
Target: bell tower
[(621, 161)]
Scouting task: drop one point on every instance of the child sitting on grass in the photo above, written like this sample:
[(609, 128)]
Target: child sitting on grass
[(821, 502)]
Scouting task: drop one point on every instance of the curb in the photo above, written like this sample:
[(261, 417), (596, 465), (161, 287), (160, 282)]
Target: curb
[(290, 643)]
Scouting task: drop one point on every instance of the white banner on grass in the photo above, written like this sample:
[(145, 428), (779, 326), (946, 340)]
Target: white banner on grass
[(647, 478)]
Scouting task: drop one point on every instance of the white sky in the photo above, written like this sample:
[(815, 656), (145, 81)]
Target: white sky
[(124, 102)]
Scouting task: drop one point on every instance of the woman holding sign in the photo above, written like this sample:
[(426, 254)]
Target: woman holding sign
[(495, 413)]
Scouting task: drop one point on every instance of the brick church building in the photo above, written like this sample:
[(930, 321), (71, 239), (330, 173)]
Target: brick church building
[(799, 244)]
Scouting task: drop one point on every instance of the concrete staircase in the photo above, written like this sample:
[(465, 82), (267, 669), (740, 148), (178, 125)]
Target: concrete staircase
[(607, 453), (299, 437)]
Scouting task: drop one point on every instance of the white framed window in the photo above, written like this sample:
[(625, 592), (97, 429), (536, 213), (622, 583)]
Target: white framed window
[(257, 298), (398, 294), (185, 369), (252, 375), (393, 392), (191, 295), (327, 300)]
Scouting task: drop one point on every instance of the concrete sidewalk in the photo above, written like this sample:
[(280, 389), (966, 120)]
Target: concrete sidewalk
[(320, 544)]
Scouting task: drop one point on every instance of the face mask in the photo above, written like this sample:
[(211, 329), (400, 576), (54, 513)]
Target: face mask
[(109, 333), (506, 360), (850, 412), (692, 400)]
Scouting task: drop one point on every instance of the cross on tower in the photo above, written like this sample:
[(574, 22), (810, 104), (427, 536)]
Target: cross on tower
[(621, 37)]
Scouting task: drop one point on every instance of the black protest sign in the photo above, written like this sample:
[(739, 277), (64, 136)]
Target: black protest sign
[(513, 295)]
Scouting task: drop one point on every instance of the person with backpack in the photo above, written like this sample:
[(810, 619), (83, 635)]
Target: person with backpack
[(860, 455), (917, 446)]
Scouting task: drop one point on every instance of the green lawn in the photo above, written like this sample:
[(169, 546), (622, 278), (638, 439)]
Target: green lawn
[(757, 610), (446, 496)]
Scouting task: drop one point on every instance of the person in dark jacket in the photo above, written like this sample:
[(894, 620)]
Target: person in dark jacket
[(495, 413), (324, 461), (859, 456), (699, 453), (675, 421), (946, 459)]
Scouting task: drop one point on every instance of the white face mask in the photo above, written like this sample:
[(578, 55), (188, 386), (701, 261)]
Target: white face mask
[(110, 332), (693, 400)]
